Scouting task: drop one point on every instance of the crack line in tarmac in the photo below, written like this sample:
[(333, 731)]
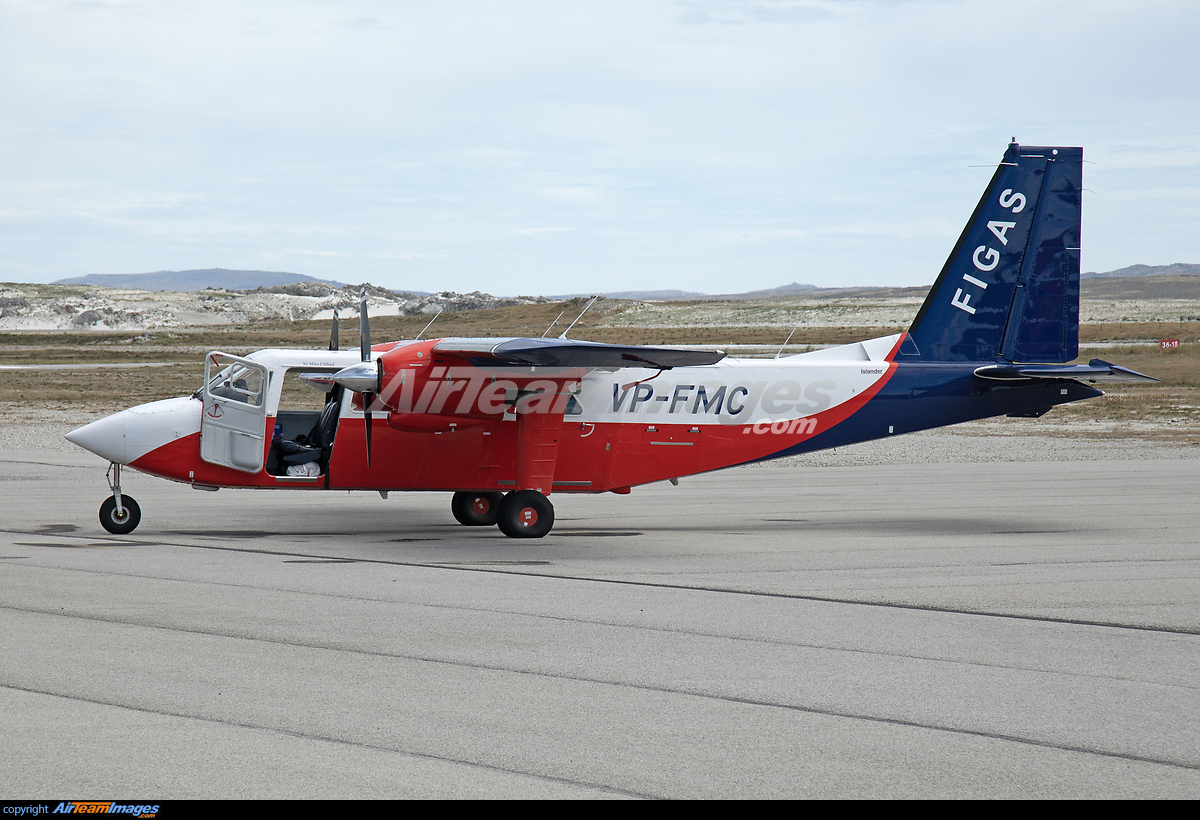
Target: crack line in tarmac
[(658, 585), (459, 607), (727, 591), (636, 686), (330, 739)]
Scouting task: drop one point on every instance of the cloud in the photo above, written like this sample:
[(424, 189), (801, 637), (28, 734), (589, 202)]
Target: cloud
[(361, 24), (536, 231), (904, 230), (665, 144)]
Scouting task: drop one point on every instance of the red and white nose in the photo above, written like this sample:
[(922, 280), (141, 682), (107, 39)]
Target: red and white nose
[(127, 436), (105, 438)]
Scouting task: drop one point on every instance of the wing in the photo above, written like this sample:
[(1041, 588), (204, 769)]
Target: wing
[(573, 353)]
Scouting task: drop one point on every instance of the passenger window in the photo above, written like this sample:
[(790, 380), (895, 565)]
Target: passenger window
[(297, 395)]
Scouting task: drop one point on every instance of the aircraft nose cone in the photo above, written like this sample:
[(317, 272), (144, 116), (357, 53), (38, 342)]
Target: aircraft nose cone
[(105, 438)]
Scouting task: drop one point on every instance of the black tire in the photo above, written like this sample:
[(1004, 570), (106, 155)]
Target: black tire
[(525, 514), (476, 509), (116, 524)]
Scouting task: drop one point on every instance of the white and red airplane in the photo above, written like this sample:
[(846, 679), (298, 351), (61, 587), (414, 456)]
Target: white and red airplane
[(503, 423)]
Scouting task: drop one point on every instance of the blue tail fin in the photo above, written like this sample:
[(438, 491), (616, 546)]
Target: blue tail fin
[(1010, 289)]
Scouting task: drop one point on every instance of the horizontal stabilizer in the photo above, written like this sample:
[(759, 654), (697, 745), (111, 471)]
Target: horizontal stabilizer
[(1094, 371), (575, 353)]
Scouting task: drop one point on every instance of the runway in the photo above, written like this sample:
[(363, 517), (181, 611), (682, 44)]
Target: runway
[(933, 630)]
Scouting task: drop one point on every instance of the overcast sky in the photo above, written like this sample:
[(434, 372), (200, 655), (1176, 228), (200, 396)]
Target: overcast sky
[(553, 147)]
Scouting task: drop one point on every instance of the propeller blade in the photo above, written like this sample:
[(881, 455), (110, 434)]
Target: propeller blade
[(364, 348), (364, 378), (364, 327), (333, 333), (367, 399)]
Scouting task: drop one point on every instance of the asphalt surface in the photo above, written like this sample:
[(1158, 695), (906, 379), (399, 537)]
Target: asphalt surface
[(933, 630)]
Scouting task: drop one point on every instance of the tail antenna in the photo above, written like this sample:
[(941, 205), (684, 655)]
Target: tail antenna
[(563, 335), (785, 341), (552, 324)]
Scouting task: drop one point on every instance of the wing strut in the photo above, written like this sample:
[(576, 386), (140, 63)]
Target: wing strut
[(537, 449)]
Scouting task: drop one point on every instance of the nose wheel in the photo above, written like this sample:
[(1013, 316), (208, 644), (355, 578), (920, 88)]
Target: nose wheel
[(122, 521), (119, 514)]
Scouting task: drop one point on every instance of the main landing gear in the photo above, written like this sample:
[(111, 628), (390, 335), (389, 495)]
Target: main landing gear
[(520, 514), (476, 509), (119, 514)]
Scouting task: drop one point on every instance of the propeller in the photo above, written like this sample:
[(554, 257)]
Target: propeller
[(327, 384), (364, 377), (364, 349)]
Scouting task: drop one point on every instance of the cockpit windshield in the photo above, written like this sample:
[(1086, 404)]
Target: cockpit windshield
[(236, 382)]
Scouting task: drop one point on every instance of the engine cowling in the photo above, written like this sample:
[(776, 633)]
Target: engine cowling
[(424, 391)]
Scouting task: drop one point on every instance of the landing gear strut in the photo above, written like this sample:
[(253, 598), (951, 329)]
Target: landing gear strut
[(475, 509), (525, 514), (119, 514)]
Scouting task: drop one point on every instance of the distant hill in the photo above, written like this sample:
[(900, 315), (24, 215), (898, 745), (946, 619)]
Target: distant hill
[(794, 289), (784, 291), (1179, 281), (1134, 282), (1178, 269), (186, 281), (1141, 287)]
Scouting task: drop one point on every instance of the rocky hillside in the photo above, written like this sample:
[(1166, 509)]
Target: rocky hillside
[(74, 307)]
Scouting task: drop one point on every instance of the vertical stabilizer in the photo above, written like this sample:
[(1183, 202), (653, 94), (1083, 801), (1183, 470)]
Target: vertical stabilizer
[(1010, 289)]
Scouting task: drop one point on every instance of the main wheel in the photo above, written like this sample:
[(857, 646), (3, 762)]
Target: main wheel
[(475, 509), (525, 514), (124, 523)]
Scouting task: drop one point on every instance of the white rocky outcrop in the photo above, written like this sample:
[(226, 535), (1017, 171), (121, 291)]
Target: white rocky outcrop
[(76, 307)]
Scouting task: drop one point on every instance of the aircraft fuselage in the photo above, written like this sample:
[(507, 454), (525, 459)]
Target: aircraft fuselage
[(621, 428)]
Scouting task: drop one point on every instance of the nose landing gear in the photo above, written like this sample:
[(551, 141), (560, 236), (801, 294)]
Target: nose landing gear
[(119, 514)]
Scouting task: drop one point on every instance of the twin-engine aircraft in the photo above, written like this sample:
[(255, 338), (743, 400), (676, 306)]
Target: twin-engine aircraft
[(503, 423)]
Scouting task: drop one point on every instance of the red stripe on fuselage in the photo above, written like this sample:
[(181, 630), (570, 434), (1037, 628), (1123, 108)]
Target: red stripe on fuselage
[(592, 457)]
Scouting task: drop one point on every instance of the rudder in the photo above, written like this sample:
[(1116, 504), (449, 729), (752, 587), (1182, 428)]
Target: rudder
[(1010, 288)]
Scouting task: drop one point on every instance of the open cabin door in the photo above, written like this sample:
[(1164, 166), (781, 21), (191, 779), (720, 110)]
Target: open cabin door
[(233, 425)]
